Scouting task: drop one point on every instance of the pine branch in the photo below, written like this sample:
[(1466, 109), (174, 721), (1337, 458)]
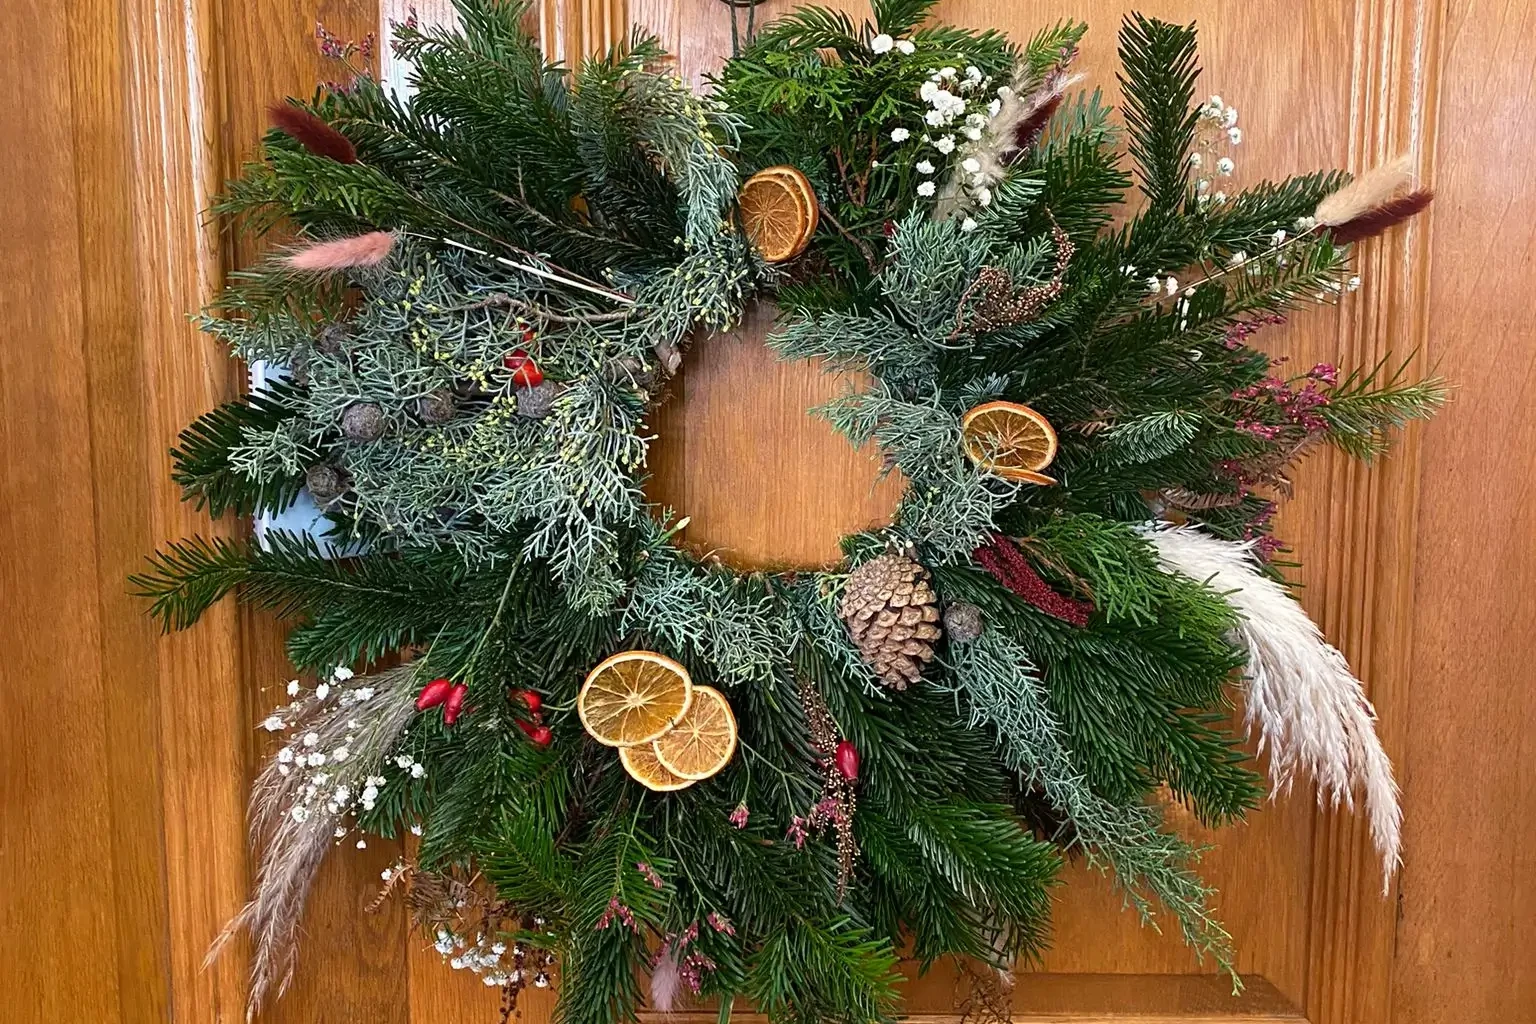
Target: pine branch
[(1159, 69), (201, 459)]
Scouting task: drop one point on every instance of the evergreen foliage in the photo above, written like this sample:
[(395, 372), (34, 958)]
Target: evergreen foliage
[(586, 218)]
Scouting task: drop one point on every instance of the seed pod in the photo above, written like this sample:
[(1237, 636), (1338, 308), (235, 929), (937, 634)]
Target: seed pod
[(363, 421), (962, 622), (326, 482), (436, 406), (536, 402)]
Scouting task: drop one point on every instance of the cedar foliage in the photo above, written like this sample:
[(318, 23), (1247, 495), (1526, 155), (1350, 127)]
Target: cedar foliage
[(517, 553)]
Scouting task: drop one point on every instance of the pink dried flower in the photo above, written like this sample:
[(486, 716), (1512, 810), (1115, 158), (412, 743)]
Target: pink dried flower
[(720, 923), (620, 911), (1327, 373), (796, 832), (693, 969), (649, 873), (739, 815)]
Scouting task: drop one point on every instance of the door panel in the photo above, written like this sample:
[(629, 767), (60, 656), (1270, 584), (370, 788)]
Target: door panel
[(124, 756)]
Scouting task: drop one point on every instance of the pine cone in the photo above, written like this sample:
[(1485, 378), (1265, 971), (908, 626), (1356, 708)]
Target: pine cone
[(326, 483), (893, 615), (536, 402)]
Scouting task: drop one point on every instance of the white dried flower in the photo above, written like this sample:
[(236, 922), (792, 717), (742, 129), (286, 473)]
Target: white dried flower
[(293, 687), (1278, 238), (316, 759), (945, 72), (1354, 283), (900, 135), (971, 164), (973, 133), (906, 46), (273, 724), (341, 673), (934, 117), (968, 225), (1235, 135), (984, 196), (311, 738), (1171, 285), (1154, 285), (322, 691), (418, 770), (882, 43), (926, 189), (945, 145), (994, 107), (340, 754), (1225, 166), (416, 829), (924, 166), (285, 756), (299, 813), (1196, 160), (1215, 102), (362, 844), (1230, 117)]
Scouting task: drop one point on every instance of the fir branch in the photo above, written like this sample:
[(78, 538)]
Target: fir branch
[(201, 459)]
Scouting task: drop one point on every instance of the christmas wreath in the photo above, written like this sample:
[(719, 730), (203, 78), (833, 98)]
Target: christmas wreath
[(624, 761)]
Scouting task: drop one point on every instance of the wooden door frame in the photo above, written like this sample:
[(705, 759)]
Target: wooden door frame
[(179, 150)]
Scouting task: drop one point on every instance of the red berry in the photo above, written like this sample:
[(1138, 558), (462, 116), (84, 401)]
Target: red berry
[(847, 759), (534, 701), (454, 704), (539, 734), (433, 694), (525, 372)]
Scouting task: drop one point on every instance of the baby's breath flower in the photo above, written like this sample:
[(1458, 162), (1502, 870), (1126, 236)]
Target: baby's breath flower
[(900, 135), (882, 43), (926, 189)]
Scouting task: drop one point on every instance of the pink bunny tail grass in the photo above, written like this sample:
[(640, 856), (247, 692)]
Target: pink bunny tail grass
[(666, 981), (1389, 214), (312, 132), (341, 253)]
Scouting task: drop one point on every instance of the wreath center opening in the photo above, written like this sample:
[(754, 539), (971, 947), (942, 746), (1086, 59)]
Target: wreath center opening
[(765, 482)]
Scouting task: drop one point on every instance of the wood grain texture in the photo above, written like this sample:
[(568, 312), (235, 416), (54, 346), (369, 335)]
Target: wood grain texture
[(124, 755), (1468, 919), (1096, 999)]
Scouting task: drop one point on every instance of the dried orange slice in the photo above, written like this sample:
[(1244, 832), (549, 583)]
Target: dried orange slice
[(633, 697), (779, 212), (1011, 440), (645, 768), (703, 741)]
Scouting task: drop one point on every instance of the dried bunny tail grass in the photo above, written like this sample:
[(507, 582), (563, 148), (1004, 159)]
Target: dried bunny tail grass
[(1388, 214), (1367, 193), (312, 132), (1040, 106), (294, 829), (1012, 131), (1310, 710), (341, 253), (666, 980)]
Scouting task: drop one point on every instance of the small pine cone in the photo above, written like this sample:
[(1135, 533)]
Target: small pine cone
[(363, 421), (326, 482), (535, 403), (893, 616), (332, 339), (436, 406), (962, 622)]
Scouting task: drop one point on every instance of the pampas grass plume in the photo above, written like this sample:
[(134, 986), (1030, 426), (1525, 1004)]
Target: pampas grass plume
[(341, 253), (666, 980), (1310, 711)]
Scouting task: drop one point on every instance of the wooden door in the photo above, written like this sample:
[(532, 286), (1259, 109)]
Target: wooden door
[(124, 755)]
